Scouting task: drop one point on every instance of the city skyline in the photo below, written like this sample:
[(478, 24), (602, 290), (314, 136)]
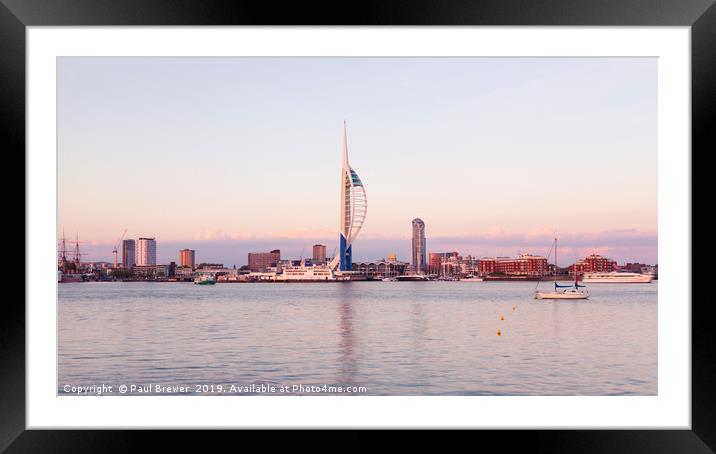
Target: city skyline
[(234, 252), (583, 163)]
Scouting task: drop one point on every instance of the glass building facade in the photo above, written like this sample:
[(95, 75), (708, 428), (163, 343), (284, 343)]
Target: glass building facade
[(419, 254)]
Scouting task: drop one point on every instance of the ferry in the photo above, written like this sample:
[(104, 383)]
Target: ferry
[(205, 279), (617, 278), (306, 272)]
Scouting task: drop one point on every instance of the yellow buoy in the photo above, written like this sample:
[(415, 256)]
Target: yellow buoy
[(502, 317)]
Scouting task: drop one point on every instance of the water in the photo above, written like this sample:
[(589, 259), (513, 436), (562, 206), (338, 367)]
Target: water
[(393, 338)]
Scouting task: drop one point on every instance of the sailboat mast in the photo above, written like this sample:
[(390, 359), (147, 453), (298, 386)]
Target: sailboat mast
[(555, 263)]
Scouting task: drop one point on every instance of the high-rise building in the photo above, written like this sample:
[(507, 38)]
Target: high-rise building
[(146, 252), (319, 253), (186, 258), (260, 261), (129, 253), (419, 262), (353, 208)]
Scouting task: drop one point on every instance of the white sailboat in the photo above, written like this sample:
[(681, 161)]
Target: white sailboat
[(562, 292)]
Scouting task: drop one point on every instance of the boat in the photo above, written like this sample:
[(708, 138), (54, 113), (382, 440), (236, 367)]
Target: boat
[(615, 277), (69, 277), (205, 279), (471, 278), (562, 292), (412, 277), (306, 271), (389, 279)]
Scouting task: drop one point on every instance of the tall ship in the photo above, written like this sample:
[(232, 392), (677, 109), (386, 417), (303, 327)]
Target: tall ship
[(69, 269), (615, 277)]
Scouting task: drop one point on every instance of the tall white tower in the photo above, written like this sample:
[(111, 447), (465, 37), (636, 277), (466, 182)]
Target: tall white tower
[(353, 207)]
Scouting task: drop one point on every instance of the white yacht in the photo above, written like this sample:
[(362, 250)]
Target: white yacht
[(562, 292), (617, 278), (471, 278), (412, 277)]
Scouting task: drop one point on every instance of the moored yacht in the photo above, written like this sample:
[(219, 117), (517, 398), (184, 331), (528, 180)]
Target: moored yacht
[(562, 292), (412, 277), (617, 278)]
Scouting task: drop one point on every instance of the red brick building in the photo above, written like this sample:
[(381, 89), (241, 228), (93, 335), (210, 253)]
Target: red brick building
[(594, 264), (260, 261), (525, 265), (486, 266)]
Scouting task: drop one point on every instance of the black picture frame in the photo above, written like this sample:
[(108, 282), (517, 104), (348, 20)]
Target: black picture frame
[(700, 15)]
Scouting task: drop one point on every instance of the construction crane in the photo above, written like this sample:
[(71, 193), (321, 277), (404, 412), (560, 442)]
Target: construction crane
[(116, 246)]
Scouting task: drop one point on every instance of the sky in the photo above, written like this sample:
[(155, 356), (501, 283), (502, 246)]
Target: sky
[(232, 155)]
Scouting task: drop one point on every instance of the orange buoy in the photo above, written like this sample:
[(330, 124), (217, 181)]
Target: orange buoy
[(499, 333), (514, 308), (502, 317)]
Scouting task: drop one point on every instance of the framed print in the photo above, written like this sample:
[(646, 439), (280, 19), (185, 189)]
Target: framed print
[(449, 216)]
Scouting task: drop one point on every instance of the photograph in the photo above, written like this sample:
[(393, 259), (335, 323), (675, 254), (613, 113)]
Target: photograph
[(405, 217), (357, 226)]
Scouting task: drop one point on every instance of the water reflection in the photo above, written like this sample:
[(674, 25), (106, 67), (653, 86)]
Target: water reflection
[(397, 338), (346, 345)]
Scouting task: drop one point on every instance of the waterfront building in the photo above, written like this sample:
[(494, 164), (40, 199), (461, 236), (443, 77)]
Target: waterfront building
[(523, 265), (210, 266), (319, 253), (186, 258), (146, 271), (597, 263), (418, 247), (468, 266), (353, 209), (439, 260), (146, 252), (217, 270), (184, 274), (486, 266), (129, 257), (594, 263), (162, 271), (260, 261), (380, 268)]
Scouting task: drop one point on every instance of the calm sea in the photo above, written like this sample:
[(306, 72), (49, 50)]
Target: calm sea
[(394, 338)]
